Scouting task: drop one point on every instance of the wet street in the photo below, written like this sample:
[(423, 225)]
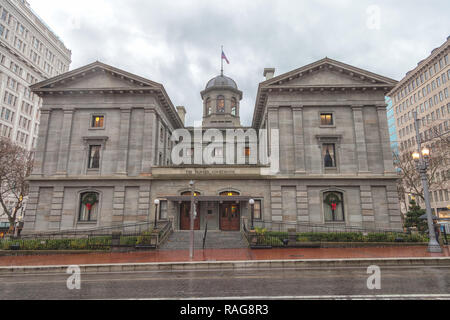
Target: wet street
[(421, 282)]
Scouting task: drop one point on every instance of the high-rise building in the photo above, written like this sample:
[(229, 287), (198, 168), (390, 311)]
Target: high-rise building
[(425, 90), (29, 52)]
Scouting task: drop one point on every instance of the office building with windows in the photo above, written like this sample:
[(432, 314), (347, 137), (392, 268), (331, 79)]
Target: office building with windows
[(29, 52), (110, 145), (425, 91)]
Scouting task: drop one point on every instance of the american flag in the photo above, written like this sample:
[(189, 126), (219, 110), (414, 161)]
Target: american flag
[(225, 57)]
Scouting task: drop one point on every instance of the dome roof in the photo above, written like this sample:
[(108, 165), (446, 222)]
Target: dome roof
[(221, 81)]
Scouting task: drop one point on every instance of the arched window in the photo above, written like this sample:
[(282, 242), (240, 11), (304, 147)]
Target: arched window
[(208, 106), (88, 207), (333, 206), (221, 104), (229, 193), (188, 193), (233, 106)]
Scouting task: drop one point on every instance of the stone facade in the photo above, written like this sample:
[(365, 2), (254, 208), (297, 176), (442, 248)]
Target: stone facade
[(134, 146)]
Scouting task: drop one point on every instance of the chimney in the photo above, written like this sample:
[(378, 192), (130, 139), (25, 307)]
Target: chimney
[(182, 113), (268, 73)]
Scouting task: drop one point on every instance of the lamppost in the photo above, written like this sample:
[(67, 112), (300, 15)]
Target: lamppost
[(191, 217), (156, 211), (422, 158), (252, 206)]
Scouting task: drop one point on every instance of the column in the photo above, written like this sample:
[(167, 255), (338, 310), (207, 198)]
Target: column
[(64, 146), (54, 222), (39, 156), (385, 141), (395, 219), (118, 205), (275, 203), (302, 204), (122, 156), (360, 139), (272, 117), (31, 208), (144, 203), (368, 214), (148, 141), (299, 143)]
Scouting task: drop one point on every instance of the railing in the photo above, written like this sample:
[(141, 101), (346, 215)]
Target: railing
[(204, 235), (128, 236), (282, 234)]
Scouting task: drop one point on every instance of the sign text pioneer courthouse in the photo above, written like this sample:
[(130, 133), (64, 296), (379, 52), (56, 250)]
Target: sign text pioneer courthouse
[(317, 151)]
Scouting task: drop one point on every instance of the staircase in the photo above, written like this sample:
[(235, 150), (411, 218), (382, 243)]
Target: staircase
[(179, 240)]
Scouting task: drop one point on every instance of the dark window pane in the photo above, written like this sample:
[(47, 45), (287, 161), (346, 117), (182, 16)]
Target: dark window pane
[(221, 104), (94, 157), (329, 157)]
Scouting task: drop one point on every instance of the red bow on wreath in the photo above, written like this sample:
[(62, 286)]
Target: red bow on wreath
[(90, 200), (333, 206)]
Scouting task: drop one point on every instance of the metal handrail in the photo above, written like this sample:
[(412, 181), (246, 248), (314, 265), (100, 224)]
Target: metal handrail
[(204, 235)]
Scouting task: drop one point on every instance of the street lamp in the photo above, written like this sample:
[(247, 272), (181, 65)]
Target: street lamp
[(252, 206), (156, 210), (191, 217), (422, 160)]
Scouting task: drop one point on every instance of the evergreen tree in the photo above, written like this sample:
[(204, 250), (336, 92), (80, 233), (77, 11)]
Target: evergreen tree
[(413, 217)]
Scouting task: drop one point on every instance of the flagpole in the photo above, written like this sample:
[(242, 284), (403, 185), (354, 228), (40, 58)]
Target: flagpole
[(221, 62)]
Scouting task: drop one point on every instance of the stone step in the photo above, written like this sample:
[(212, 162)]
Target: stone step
[(179, 240)]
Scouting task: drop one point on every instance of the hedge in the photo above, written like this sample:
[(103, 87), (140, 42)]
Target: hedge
[(351, 237)]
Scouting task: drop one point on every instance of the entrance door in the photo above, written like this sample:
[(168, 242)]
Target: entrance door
[(185, 211), (229, 216)]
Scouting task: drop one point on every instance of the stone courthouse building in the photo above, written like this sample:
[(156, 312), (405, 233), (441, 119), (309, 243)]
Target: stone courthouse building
[(106, 139)]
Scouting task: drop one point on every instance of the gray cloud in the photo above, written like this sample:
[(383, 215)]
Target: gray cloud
[(177, 43)]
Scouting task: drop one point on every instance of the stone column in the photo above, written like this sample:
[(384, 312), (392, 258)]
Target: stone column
[(367, 211), (30, 213), (302, 204), (118, 205), (148, 141), (360, 139), (144, 203), (395, 220), (276, 212), (299, 143), (272, 117), (388, 161), (54, 222), (39, 157), (122, 155), (64, 146)]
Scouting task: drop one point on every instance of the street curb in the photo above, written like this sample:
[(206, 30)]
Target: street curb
[(230, 265)]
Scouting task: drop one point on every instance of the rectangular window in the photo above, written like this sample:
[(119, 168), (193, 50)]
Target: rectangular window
[(97, 121), (329, 155), (163, 209), (326, 119), (94, 157), (257, 215)]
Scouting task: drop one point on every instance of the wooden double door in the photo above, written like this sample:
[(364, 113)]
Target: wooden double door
[(230, 216), (185, 213)]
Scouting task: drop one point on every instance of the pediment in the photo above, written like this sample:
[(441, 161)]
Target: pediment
[(96, 76), (327, 72)]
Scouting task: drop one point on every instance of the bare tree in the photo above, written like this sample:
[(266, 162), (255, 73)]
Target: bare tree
[(16, 165), (438, 141)]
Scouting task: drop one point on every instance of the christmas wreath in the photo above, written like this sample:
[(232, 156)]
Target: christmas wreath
[(89, 200), (332, 200)]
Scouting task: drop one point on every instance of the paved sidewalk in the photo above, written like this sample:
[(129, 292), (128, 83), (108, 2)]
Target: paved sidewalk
[(221, 255)]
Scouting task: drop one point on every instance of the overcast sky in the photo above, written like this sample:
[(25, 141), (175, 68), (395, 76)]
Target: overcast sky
[(177, 43)]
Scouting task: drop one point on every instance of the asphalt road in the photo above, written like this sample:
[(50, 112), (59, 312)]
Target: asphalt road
[(430, 282)]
